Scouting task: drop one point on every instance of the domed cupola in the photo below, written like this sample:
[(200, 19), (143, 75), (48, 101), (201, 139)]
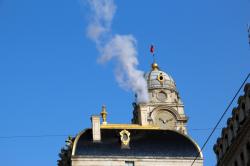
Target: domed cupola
[(164, 108), (157, 79)]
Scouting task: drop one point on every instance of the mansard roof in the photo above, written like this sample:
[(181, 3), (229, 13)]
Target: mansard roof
[(143, 142)]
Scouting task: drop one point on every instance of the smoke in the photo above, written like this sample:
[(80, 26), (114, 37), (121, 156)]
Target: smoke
[(121, 48), (103, 12)]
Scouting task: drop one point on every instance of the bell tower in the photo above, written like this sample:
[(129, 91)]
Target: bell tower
[(164, 108)]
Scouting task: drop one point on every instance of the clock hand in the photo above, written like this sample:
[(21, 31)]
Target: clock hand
[(162, 120), (169, 120)]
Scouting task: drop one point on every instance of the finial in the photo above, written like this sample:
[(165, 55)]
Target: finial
[(104, 115), (155, 66)]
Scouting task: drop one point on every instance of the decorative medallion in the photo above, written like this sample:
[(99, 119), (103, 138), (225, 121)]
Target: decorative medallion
[(162, 96), (125, 138)]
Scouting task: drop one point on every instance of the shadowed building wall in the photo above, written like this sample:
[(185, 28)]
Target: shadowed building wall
[(233, 147)]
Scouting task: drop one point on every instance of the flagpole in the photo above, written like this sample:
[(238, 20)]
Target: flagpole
[(248, 30)]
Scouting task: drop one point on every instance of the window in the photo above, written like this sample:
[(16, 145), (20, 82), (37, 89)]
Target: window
[(232, 130), (226, 142), (243, 106), (129, 163), (248, 148), (237, 118), (248, 152), (242, 158), (235, 163), (221, 148)]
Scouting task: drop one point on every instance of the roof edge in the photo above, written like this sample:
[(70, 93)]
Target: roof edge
[(186, 136), (76, 140)]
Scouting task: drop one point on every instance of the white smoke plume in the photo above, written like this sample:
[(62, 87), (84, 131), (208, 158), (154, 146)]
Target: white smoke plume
[(100, 22), (122, 48)]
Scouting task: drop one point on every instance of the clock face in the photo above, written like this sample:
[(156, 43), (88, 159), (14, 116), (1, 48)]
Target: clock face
[(165, 120)]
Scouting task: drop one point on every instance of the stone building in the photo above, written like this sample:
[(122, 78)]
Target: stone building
[(157, 135), (233, 147)]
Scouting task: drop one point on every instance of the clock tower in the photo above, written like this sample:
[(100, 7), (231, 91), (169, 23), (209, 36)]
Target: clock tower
[(164, 108)]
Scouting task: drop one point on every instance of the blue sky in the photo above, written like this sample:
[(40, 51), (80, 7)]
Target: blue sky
[(51, 83)]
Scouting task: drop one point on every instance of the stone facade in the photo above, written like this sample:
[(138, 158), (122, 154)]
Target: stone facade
[(233, 147), (145, 161)]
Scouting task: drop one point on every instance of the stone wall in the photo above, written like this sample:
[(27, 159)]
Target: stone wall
[(233, 147)]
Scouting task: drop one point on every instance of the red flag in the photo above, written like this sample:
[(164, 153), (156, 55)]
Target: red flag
[(152, 49)]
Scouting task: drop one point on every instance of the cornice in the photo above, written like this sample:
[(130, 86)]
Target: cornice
[(242, 132)]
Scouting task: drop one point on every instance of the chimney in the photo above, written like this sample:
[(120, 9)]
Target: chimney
[(142, 110), (96, 130)]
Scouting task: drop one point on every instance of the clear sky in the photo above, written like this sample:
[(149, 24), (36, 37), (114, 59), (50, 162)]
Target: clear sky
[(51, 83)]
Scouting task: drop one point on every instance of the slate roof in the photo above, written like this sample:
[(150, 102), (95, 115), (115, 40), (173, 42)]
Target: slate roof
[(155, 143)]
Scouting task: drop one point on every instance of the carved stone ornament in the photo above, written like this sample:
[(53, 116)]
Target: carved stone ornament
[(162, 96)]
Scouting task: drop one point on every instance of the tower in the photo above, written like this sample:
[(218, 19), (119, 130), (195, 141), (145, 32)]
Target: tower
[(164, 108)]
